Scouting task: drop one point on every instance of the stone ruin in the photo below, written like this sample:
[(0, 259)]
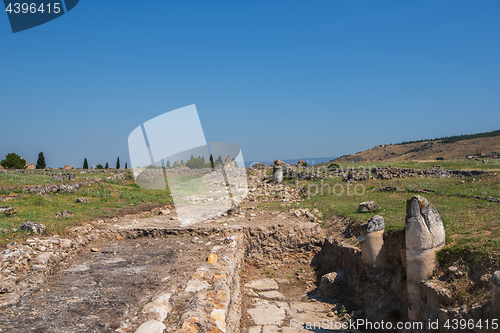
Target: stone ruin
[(62, 176), (372, 242), (228, 163), (425, 235)]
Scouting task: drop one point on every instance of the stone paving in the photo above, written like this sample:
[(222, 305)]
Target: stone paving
[(271, 311), (104, 291)]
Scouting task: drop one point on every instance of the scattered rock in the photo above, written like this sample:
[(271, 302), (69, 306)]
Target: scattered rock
[(388, 189), (212, 259), (8, 210), (456, 271), (64, 214), (116, 177), (94, 249), (36, 228), (83, 200), (330, 281), (376, 223), (485, 280), (442, 295), (234, 210), (63, 176), (368, 206), (7, 285), (44, 258)]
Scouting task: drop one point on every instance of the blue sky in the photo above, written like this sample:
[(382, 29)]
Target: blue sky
[(282, 79)]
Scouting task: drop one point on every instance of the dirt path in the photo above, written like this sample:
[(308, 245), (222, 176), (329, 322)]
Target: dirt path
[(103, 291)]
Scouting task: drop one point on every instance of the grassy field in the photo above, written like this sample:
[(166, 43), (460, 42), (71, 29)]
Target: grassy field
[(469, 222), (41, 178), (108, 198)]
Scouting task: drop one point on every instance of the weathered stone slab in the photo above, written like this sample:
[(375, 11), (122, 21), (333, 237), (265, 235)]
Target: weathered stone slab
[(255, 329), (196, 285), (273, 294), (151, 326), (267, 314), (263, 285)]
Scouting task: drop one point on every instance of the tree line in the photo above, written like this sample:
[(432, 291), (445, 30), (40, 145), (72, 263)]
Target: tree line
[(100, 166), (455, 138), (14, 161)]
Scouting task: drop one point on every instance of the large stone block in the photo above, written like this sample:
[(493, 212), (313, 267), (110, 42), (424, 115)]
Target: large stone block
[(372, 242), (425, 235), (278, 173), (495, 295)]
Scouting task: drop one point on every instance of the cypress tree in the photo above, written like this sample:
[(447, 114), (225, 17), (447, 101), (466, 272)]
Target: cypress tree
[(106, 166), (85, 164), (168, 164), (118, 163), (126, 166), (212, 161), (40, 163)]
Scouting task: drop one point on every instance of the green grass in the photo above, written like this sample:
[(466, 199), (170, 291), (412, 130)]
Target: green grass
[(10, 179), (467, 221), (107, 198)]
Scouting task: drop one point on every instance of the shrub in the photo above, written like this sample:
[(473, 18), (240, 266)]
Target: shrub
[(196, 163), (13, 161)]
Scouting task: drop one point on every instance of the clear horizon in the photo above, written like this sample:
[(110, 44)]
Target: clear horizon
[(281, 80)]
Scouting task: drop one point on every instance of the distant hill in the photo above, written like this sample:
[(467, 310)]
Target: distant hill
[(312, 161), (447, 148)]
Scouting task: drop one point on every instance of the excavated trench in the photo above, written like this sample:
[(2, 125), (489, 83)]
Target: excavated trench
[(279, 277)]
